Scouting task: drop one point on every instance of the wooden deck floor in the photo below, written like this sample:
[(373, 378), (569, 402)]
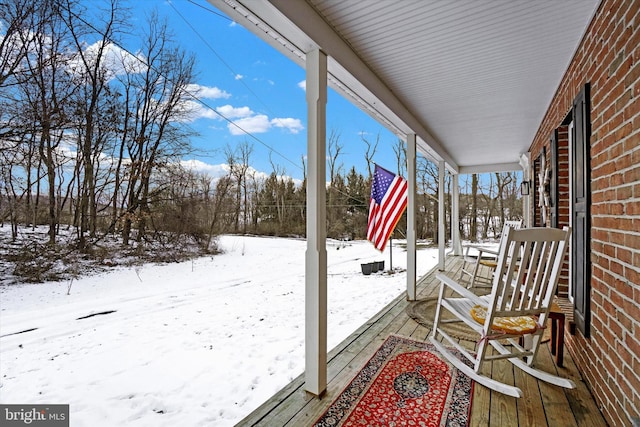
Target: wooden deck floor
[(542, 404)]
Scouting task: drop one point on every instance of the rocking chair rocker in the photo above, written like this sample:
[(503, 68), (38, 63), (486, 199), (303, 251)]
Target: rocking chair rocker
[(524, 282)]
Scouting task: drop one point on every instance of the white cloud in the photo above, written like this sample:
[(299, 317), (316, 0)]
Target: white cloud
[(292, 125), (115, 61), (208, 92), (239, 77), (193, 110), (218, 171), (246, 121), (254, 124), (303, 85), (231, 113), (215, 171)]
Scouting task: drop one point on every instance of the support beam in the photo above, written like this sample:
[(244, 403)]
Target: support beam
[(455, 215), (411, 217), (495, 167), (525, 163), (316, 254), (441, 216)]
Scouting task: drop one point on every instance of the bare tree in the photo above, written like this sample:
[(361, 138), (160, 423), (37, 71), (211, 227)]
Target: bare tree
[(427, 175), (503, 180), (400, 150), (273, 184), (304, 167), (334, 150), (93, 106), (16, 20), (46, 93), (487, 193), (220, 200), (10, 193), (370, 152), (155, 98), (238, 159)]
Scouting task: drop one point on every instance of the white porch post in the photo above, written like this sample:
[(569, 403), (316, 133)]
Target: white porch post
[(316, 254), (441, 219), (411, 217), (525, 163), (455, 216)]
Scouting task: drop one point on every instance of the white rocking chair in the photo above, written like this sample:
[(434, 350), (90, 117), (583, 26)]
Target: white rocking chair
[(524, 283), (485, 257)]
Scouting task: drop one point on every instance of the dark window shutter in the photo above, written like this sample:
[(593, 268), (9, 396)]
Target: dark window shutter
[(581, 202)]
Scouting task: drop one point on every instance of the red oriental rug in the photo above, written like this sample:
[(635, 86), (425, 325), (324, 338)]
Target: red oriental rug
[(404, 383)]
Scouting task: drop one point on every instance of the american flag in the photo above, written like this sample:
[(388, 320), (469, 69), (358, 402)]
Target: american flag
[(388, 202)]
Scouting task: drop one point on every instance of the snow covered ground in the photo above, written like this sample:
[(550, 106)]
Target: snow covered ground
[(196, 343)]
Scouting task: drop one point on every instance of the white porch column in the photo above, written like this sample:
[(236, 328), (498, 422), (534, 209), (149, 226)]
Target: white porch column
[(455, 216), (411, 217), (441, 218), (316, 254), (525, 163)]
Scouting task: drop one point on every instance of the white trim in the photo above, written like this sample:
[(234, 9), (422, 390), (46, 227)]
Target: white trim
[(455, 216), (441, 216), (525, 162), (411, 217), (316, 255), (496, 167)]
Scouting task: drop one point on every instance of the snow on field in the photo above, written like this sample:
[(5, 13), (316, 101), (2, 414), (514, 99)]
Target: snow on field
[(196, 343)]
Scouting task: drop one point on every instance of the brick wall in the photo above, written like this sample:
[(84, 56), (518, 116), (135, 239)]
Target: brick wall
[(609, 59)]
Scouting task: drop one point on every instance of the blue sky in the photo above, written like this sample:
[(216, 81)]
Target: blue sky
[(248, 81)]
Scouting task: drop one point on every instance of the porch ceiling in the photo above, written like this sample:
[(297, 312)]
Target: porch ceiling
[(471, 78)]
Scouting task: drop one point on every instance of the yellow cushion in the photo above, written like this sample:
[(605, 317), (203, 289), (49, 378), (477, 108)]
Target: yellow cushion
[(492, 264), (519, 325)]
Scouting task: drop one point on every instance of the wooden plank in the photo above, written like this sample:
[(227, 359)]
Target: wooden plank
[(554, 399), (408, 329), (582, 404), (503, 408), (266, 410), (421, 333), (481, 402), (529, 406)]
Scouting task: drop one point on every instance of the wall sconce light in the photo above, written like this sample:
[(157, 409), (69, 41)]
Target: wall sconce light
[(525, 188)]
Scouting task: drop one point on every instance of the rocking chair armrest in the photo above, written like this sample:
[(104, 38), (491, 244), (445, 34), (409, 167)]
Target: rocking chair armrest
[(488, 251), (481, 249), (458, 288)]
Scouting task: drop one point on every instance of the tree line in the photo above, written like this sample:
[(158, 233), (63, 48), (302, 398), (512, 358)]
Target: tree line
[(95, 143), (93, 130)]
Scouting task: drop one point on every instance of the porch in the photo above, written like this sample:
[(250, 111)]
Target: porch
[(542, 405)]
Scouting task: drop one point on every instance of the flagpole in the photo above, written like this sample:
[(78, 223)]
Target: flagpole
[(390, 254)]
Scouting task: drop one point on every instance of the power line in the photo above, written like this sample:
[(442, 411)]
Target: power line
[(211, 11), (193, 96), (233, 72)]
